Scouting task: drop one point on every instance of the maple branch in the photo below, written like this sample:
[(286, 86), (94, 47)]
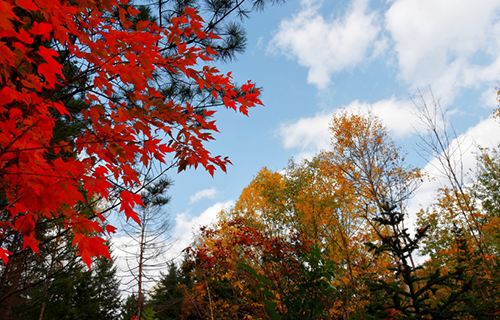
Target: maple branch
[(89, 206), (35, 174), (2, 150), (74, 143)]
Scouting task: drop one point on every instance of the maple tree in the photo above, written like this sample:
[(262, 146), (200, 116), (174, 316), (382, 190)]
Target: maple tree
[(222, 286), (43, 176)]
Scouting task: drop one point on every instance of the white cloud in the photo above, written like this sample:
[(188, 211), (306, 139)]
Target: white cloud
[(327, 45), (206, 193), (446, 44), (489, 98), (307, 134), (397, 115), (186, 226), (310, 135), (439, 43)]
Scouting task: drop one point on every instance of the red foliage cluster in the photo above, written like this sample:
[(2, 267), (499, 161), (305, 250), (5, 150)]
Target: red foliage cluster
[(34, 181), (241, 239)]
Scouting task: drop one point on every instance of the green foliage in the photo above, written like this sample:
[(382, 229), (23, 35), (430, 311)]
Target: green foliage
[(75, 293), (487, 190), (310, 290), (310, 297), (148, 314), (129, 307), (488, 186)]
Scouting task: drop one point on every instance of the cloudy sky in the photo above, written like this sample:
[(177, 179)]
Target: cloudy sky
[(314, 57)]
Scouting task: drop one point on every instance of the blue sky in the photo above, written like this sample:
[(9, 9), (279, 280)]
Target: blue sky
[(313, 57)]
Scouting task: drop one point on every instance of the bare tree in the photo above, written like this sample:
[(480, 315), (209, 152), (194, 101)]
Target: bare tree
[(441, 142), (147, 245)]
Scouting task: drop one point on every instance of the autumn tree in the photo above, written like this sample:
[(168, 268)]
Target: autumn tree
[(440, 141), (223, 287), (366, 160), (307, 199), (463, 204), (450, 237), (369, 170)]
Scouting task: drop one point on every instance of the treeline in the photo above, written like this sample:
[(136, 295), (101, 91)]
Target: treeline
[(331, 238), (327, 238)]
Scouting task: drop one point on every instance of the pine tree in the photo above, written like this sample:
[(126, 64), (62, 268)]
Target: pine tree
[(168, 294), (74, 293)]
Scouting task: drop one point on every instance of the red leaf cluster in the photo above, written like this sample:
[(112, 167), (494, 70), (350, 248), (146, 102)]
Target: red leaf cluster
[(34, 35), (240, 237)]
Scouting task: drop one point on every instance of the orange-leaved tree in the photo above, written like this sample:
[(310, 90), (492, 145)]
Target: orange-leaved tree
[(364, 157), (43, 177)]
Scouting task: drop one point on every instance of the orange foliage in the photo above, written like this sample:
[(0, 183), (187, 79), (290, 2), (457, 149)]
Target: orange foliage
[(366, 161)]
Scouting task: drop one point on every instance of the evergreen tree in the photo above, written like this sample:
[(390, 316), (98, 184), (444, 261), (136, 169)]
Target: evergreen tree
[(167, 295), (406, 294), (75, 293), (129, 307)]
